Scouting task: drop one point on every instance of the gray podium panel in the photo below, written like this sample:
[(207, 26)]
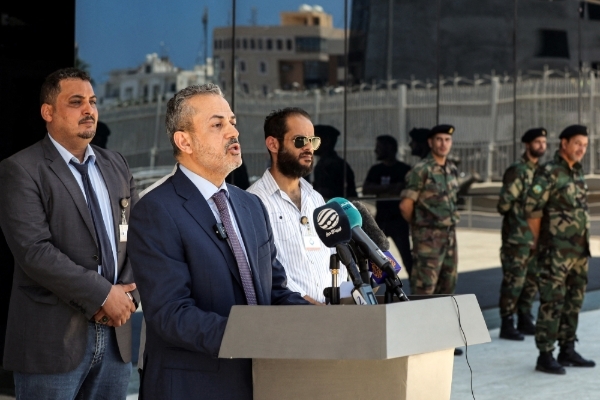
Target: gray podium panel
[(349, 332)]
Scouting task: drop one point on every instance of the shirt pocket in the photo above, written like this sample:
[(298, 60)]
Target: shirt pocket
[(282, 226), (567, 194)]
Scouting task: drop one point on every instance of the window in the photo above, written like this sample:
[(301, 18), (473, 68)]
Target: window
[(593, 11), (245, 88), (288, 44), (260, 44), (265, 90), (553, 43), (245, 43), (269, 44), (279, 44), (243, 66), (252, 44), (173, 87), (310, 44), (222, 64), (216, 44), (223, 86), (262, 67), (148, 69), (237, 43)]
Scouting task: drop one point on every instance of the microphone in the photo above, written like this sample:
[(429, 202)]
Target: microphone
[(380, 276), (370, 249), (333, 227), (373, 231), (371, 228)]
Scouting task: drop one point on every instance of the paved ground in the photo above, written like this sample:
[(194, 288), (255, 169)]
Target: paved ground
[(504, 369)]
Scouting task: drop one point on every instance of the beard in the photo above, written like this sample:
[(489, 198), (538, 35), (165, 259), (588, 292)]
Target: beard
[(288, 164), (537, 153), (217, 161), (90, 133), (87, 134)]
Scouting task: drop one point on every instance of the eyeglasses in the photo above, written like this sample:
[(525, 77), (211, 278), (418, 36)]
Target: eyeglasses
[(301, 141)]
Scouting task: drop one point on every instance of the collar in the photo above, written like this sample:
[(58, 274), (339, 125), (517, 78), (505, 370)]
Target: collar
[(432, 161), (527, 160), (206, 188), (67, 156), (271, 186)]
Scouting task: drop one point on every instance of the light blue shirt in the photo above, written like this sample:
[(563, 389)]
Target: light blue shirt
[(100, 189), (207, 190)]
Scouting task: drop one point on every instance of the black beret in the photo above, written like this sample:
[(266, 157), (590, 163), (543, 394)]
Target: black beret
[(573, 130), (419, 135), (533, 134), (326, 130), (447, 129)]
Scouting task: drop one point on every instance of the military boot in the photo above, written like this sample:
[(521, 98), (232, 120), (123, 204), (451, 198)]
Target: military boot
[(570, 358), (508, 331), (525, 324), (547, 363)]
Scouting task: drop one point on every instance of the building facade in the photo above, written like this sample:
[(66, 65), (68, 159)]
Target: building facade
[(156, 76), (304, 52), (412, 39)]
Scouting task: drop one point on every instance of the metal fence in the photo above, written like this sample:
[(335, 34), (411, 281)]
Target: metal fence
[(482, 111)]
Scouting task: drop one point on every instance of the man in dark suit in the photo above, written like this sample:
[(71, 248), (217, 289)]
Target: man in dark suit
[(68, 329), (198, 246)]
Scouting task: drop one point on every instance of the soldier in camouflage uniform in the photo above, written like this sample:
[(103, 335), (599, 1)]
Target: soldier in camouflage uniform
[(557, 213), (429, 205), (519, 266)]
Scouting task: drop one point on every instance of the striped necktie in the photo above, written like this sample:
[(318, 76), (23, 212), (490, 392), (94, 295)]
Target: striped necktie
[(220, 199)]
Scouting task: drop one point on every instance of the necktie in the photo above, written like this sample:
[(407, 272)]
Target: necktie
[(107, 260), (220, 199)]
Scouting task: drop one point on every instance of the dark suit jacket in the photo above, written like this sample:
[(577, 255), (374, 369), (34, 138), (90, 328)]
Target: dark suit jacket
[(189, 280), (56, 286)]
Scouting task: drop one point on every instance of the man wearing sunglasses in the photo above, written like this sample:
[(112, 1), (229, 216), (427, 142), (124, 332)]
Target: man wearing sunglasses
[(291, 200)]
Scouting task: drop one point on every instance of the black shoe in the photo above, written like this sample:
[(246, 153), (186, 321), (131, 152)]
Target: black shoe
[(570, 358), (525, 324), (547, 363), (458, 352), (508, 331)]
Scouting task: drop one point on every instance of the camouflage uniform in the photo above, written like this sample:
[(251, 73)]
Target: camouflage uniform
[(519, 266), (434, 190), (559, 196)]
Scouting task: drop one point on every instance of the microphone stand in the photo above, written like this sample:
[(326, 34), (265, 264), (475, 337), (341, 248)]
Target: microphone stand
[(333, 292)]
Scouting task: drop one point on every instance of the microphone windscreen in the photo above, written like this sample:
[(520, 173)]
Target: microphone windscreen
[(370, 227), (378, 275), (353, 215), (331, 224)]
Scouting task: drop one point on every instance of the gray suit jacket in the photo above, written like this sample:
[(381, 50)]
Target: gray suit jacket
[(56, 286)]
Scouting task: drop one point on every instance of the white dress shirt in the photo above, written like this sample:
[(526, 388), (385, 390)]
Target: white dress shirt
[(307, 270), (101, 192)]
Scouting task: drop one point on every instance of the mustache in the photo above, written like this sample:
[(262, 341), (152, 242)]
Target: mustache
[(306, 153), (88, 118), (232, 141)]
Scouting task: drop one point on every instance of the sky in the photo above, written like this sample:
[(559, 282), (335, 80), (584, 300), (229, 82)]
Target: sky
[(115, 34)]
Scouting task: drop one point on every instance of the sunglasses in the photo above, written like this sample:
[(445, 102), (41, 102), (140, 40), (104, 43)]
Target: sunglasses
[(301, 141)]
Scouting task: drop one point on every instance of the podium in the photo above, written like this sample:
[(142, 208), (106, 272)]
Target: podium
[(387, 351)]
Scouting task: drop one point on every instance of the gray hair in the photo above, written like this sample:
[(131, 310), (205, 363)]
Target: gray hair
[(179, 113)]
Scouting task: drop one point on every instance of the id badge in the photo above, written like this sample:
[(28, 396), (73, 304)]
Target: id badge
[(312, 242), (123, 232)]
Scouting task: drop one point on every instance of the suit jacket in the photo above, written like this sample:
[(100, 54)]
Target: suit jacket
[(189, 280), (56, 286)]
